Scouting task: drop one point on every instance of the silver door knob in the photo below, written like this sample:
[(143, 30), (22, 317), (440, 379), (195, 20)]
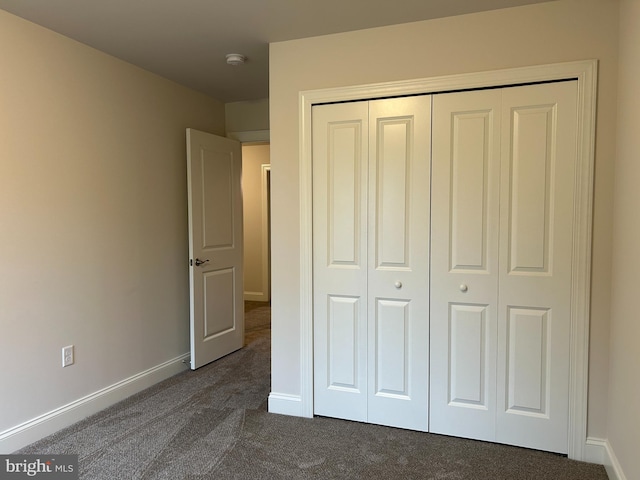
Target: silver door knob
[(201, 262), (398, 285), (463, 287)]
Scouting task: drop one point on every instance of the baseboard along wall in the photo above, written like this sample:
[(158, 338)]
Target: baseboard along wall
[(285, 404), (39, 427), (256, 297)]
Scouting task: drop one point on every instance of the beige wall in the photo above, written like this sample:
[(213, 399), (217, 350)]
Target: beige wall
[(552, 32), (93, 218), (624, 389), (247, 116), (256, 286)]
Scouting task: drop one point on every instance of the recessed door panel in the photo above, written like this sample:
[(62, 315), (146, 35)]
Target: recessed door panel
[(469, 189), (391, 344), (527, 365), (343, 343), (219, 314), (217, 198), (532, 163), (393, 136), (344, 191), (468, 355)]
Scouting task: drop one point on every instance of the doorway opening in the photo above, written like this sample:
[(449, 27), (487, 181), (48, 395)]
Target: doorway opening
[(256, 187), (256, 195)]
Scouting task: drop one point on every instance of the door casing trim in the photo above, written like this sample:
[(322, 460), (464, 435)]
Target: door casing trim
[(585, 72)]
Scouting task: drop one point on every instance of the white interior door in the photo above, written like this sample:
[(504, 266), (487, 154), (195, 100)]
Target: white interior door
[(503, 169), (537, 202), (464, 263), (398, 235), (214, 167), (371, 243), (340, 179), (503, 195)]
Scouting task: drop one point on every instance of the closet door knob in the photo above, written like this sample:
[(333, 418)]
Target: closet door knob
[(463, 287), (398, 285)]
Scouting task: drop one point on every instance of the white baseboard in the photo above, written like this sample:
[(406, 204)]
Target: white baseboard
[(611, 464), (256, 297), (595, 450), (598, 450), (285, 404), (32, 430)]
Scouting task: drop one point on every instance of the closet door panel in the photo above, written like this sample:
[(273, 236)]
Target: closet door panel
[(468, 355), (538, 175), (527, 366), (392, 342), (340, 153), (464, 263), (399, 152)]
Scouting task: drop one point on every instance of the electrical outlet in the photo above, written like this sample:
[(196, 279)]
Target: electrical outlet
[(67, 356)]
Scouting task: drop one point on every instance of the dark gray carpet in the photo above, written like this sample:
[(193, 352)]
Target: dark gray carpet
[(213, 424)]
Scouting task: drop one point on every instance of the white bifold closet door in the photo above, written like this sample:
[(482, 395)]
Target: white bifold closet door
[(371, 190), (503, 166)]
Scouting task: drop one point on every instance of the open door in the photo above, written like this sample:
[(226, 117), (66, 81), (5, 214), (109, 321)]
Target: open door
[(214, 167)]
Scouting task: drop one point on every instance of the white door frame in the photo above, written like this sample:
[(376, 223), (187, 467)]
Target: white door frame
[(585, 72)]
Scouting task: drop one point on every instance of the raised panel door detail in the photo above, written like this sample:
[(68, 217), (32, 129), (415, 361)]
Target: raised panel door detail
[(344, 164), (219, 315), (528, 366), (532, 160), (465, 217), (340, 225), (343, 342), (398, 261), (391, 343), (218, 208), (393, 195), (471, 136), (214, 194), (467, 355), (539, 143)]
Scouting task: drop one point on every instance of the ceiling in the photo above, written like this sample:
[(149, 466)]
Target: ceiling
[(187, 40)]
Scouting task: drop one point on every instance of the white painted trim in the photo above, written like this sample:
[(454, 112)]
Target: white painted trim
[(611, 464), (251, 136), (581, 259), (306, 101), (39, 427), (599, 450), (595, 450), (285, 404), (255, 297), (586, 74)]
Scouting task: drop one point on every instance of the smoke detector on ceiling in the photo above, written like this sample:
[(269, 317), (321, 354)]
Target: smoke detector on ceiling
[(235, 59)]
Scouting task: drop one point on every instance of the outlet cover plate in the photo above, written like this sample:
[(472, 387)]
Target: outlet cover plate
[(67, 356)]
